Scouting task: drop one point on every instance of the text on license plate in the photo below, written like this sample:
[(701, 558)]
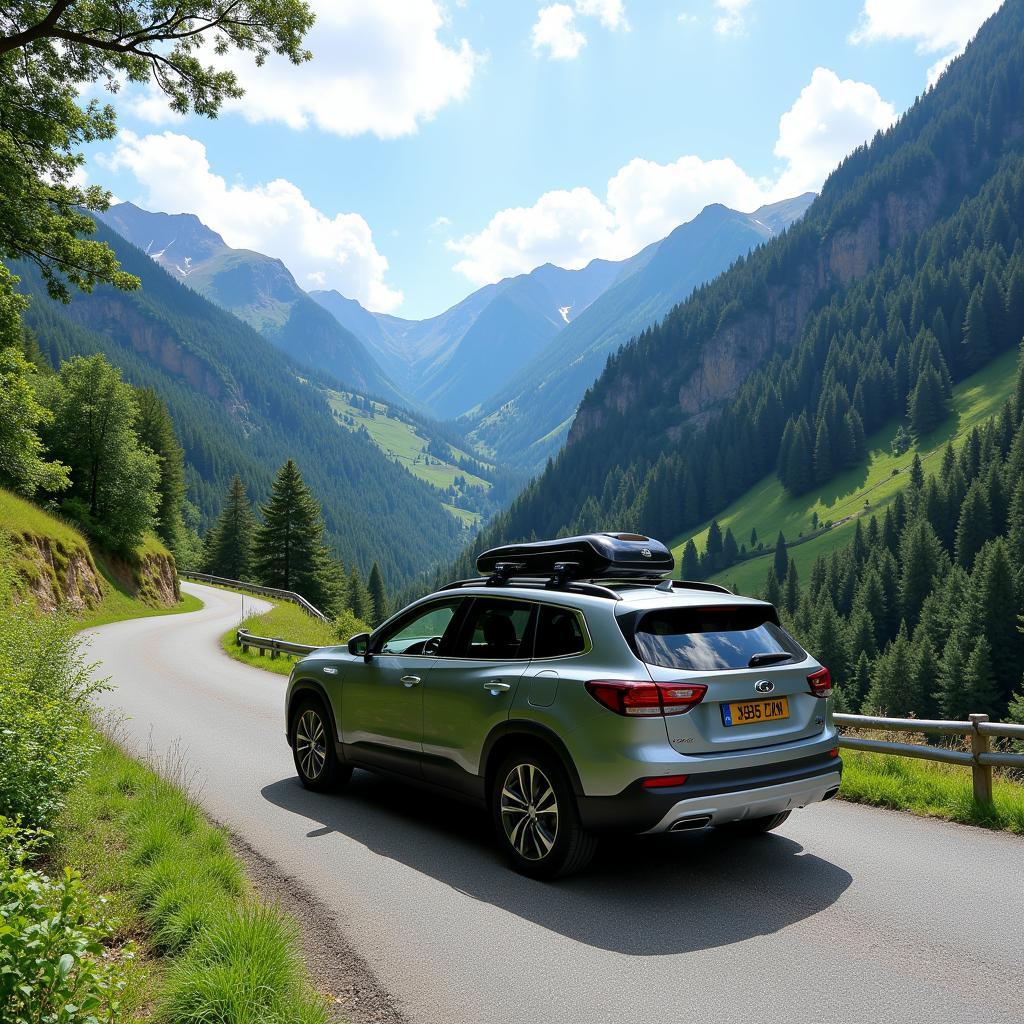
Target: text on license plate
[(747, 712)]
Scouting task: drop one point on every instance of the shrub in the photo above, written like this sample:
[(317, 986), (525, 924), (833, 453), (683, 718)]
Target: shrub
[(55, 964), (45, 740)]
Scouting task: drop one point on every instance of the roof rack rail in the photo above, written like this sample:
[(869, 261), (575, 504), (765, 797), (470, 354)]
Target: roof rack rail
[(647, 581), (538, 583)]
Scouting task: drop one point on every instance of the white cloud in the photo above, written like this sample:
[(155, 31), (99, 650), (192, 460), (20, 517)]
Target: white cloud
[(556, 29), (150, 104), (274, 218), (377, 67), (732, 21), (645, 200), (830, 118), (611, 13), (933, 24)]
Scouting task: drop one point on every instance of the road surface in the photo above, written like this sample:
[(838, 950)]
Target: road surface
[(847, 914)]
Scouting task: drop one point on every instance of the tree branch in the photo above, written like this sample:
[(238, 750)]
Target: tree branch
[(37, 31)]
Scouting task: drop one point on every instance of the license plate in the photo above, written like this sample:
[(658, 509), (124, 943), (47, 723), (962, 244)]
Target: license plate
[(750, 712)]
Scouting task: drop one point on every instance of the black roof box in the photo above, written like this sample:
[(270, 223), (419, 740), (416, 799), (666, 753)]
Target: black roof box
[(593, 556)]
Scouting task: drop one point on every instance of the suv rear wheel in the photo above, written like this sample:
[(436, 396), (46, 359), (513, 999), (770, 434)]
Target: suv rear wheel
[(312, 744), (535, 816)]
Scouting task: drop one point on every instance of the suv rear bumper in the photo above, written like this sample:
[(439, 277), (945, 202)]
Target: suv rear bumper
[(718, 797)]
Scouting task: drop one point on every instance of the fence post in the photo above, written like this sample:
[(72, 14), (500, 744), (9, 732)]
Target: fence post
[(981, 773), (276, 651)]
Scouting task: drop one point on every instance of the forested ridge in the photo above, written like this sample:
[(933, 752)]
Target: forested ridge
[(241, 406), (918, 614), (905, 275)]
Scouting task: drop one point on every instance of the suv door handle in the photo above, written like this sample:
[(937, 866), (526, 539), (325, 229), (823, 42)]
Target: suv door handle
[(410, 681), (496, 686)]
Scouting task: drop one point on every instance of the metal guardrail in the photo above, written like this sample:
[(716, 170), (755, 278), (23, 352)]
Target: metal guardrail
[(275, 646), (254, 588), (981, 758)]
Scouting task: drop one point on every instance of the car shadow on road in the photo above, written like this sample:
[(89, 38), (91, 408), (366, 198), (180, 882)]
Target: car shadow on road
[(643, 895)]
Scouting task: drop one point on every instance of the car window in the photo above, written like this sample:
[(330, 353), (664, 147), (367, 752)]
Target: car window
[(714, 639), (559, 633), (496, 630), (421, 633)]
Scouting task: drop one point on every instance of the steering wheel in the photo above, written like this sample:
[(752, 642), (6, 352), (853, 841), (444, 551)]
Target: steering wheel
[(432, 645)]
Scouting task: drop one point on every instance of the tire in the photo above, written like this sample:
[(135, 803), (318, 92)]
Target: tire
[(312, 743), (756, 826), (536, 821)]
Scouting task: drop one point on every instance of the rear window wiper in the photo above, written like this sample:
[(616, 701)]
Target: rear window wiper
[(768, 658)]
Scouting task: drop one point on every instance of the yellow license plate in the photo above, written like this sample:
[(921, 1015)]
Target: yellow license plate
[(750, 712)]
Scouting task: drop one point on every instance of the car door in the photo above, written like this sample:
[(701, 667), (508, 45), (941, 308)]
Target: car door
[(382, 700), (471, 686), (560, 635)]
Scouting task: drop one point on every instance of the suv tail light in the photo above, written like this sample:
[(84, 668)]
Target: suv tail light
[(820, 683), (640, 699)]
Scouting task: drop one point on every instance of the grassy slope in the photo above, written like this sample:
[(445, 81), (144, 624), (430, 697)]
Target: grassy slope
[(22, 519), (769, 509), (398, 439), (285, 621), (931, 789), (209, 950)]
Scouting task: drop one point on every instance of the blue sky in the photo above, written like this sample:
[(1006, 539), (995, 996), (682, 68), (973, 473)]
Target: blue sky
[(429, 147)]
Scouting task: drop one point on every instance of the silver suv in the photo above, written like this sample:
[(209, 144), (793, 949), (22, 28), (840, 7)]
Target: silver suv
[(572, 698)]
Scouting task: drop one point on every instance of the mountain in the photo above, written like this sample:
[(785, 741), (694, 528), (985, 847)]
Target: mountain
[(904, 276), (240, 404), (258, 289), (526, 420), (450, 362)]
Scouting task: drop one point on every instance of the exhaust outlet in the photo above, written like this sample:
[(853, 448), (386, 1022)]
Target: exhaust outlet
[(689, 824)]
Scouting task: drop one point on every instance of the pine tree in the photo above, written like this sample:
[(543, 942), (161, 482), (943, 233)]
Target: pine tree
[(690, 569), (288, 550), (229, 544), (378, 596), (359, 598), (891, 680), (753, 538), (781, 561), (974, 525), (977, 343), (992, 592), (980, 689), (829, 641), (927, 405), (772, 590), (952, 691), (713, 551), (156, 432), (926, 670), (730, 551), (859, 682), (922, 558), (823, 464), (791, 590)]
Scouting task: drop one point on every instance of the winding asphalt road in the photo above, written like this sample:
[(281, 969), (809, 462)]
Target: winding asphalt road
[(846, 915)]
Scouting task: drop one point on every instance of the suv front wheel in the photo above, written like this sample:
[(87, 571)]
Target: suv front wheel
[(312, 743), (535, 816)]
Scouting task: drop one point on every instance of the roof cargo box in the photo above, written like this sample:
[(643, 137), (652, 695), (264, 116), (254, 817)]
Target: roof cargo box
[(593, 556)]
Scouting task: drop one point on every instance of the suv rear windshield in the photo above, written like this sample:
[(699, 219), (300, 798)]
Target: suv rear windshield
[(714, 639)]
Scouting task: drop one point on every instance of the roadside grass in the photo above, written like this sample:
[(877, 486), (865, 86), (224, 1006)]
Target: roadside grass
[(118, 605), (768, 508), (285, 621), (931, 789), (210, 951)]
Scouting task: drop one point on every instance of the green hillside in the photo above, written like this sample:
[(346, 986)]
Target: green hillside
[(768, 508), (55, 567), (405, 442)]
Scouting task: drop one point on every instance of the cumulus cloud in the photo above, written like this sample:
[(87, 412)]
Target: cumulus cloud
[(379, 68), (645, 200), (557, 31), (274, 218), (830, 118), (934, 25), (732, 21)]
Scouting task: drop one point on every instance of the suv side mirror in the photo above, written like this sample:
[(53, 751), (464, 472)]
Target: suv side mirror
[(359, 646)]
